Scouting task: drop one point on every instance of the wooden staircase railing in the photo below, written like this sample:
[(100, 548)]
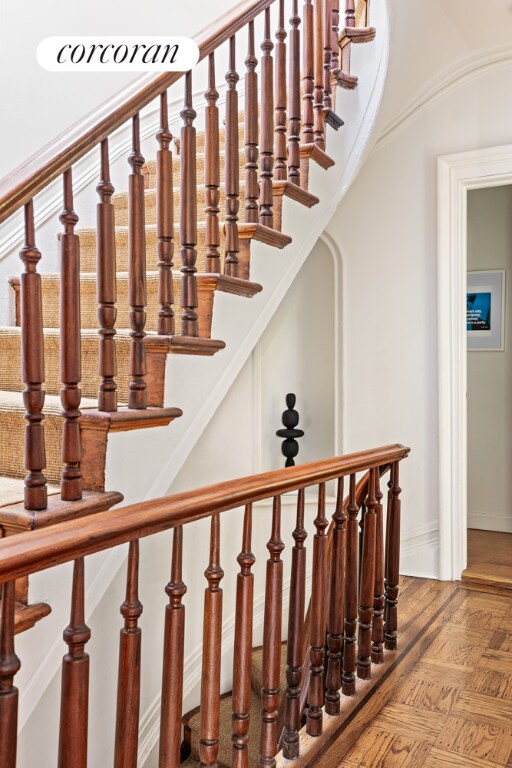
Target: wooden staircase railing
[(283, 125), (75, 540)]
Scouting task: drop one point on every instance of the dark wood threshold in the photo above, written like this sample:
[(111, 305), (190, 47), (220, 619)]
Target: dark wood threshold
[(15, 516)]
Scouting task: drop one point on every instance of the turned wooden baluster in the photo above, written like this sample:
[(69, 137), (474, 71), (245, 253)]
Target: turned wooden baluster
[(348, 679), (318, 620), (137, 395), (350, 22), (295, 632), (243, 648), (128, 686), (232, 166), (9, 666), (392, 569), (212, 171), (106, 286), (165, 222), (335, 44), (294, 98), (319, 74), (188, 214), (378, 599), (32, 368), (174, 649), (251, 131), (308, 77), (335, 618), (327, 21), (367, 582), (74, 702), (350, 13), (267, 127), (280, 164), (70, 362), (212, 637), (271, 662)]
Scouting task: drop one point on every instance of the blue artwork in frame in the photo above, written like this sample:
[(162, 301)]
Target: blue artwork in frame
[(485, 310)]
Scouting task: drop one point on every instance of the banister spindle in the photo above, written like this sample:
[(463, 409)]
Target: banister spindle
[(128, 685), (348, 679), (280, 164), (327, 20), (378, 599), (308, 77), (267, 127), (32, 368), (335, 45), (173, 662), (272, 641), (9, 666), (70, 361), (251, 131), (318, 618), (74, 703), (243, 648), (295, 635), (137, 395), (335, 618), (392, 569), (188, 214), (212, 171), (294, 98), (212, 638), (367, 582), (319, 74), (165, 222), (232, 165), (350, 13), (106, 286)]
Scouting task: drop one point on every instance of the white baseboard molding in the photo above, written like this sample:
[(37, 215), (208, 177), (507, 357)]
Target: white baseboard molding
[(419, 552), (483, 521)]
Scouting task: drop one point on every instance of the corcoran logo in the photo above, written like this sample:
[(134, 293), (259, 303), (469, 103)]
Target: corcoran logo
[(117, 54)]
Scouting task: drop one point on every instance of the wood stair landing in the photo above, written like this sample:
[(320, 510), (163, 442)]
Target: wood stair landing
[(489, 562), (418, 630)]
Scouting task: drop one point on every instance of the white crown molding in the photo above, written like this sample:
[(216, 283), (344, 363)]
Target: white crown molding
[(443, 83)]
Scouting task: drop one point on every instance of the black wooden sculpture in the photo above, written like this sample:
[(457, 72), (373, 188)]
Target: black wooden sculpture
[(290, 433)]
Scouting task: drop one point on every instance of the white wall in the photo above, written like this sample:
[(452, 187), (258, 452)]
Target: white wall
[(489, 246), (386, 229), (41, 104)]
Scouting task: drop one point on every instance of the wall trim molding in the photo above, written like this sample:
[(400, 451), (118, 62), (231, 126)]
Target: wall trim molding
[(468, 68), (456, 174)]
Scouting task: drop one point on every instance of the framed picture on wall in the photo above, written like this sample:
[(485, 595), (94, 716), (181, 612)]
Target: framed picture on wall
[(485, 311)]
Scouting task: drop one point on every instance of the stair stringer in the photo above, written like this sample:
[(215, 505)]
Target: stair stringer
[(143, 464)]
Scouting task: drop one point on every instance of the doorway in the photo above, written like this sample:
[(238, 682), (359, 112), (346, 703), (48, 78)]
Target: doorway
[(458, 175)]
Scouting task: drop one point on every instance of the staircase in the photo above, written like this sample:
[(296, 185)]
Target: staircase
[(145, 319)]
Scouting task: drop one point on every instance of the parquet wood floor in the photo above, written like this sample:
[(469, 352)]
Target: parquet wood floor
[(454, 709)]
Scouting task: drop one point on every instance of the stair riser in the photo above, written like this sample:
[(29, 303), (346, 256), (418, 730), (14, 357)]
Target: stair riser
[(10, 380), (150, 169), (89, 305), (121, 206)]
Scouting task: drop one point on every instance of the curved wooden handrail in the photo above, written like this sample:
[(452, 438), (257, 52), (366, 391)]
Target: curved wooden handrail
[(37, 550), (20, 186)]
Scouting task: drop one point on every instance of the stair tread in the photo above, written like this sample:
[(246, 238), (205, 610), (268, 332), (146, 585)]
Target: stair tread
[(12, 489), (12, 401)]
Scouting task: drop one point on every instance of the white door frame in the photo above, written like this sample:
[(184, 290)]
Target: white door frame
[(456, 174)]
